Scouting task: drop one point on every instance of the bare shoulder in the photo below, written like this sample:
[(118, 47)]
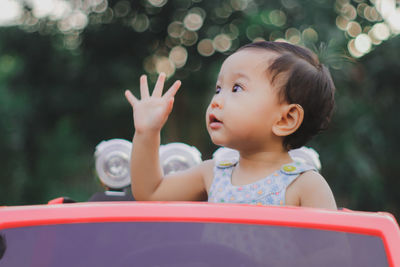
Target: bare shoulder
[(311, 180), (208, 165), (314, 191)]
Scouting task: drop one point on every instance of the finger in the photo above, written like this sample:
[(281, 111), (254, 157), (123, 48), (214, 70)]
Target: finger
[(170, 105), (159, 85), (131, 98), (144, 88), (172, 90)]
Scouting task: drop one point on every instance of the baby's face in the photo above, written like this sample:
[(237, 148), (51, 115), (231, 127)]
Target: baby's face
[(245, 104)]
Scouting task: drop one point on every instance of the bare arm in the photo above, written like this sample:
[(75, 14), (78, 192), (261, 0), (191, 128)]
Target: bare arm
[(315, 192), (150, 114)]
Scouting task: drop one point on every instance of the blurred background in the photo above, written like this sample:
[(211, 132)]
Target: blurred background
[(64, 66)]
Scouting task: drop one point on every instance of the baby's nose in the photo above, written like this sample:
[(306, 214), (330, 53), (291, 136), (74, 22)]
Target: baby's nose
[(216, 102)]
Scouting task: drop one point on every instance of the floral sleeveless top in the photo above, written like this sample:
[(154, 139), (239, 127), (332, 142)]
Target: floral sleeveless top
[(267, 191)]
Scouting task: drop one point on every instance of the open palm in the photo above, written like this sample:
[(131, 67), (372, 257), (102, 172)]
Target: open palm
[(151, 112)]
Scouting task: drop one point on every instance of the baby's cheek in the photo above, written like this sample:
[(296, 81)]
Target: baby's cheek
[(207, 115)]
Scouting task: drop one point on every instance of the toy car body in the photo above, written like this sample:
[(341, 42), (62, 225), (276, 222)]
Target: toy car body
[(194, 234)]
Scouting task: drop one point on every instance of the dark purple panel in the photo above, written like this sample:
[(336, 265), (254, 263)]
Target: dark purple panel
[(187, 244)]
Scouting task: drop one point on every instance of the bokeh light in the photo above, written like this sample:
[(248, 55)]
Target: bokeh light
[(290, 4), (390, 12), (205, 47), (310, 35), (363, 43), (10, 12), (176, 29), (348, 11), (189, 38), (178, 55), (164, 64), (122, 8), (149, 64), (293, 35), (380, 31), (342, 22), (368, 23), (239, 4), (385, 7), (45, 8), (352, 49), (100, 7), (140, 23), (70, 16), (193, 21), (259, 39), (371, 14), (394, 21), (383, 16), (277, 18), (75, 21), (222, 42), (353, 28), (157, 3)]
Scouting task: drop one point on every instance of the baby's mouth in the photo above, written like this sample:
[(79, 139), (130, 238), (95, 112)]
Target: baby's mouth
[(214, 119), (214, 122)]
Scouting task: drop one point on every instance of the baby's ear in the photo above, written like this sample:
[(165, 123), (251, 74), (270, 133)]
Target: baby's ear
[(291, 118)]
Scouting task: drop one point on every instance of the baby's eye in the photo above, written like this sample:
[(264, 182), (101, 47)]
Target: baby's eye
[(217, 90), (237, 88)]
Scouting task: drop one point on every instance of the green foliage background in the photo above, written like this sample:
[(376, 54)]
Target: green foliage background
[(58, 101)]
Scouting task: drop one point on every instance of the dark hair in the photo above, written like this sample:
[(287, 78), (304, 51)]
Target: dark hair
[(306, 82)]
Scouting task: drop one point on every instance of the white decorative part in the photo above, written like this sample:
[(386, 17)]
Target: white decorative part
[(113, 163), (176, 157)]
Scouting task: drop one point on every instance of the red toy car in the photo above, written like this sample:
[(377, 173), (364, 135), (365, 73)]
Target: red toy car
[(194, 234)]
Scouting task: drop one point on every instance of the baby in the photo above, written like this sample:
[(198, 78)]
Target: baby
[(270, 97)]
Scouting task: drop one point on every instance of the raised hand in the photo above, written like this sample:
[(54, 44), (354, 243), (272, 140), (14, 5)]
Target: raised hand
[(151, 112)]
